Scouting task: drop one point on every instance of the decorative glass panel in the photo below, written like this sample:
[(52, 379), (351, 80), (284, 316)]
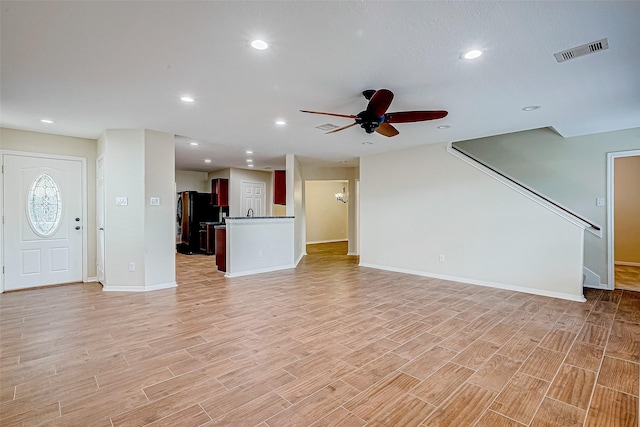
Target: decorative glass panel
[(44, 205)]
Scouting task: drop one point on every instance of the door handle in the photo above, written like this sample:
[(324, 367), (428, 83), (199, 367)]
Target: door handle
[(101, 229), (77, 219), (77, 227)]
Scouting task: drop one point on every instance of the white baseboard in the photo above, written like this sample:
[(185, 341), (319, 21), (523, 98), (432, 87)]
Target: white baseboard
[(140, 288), (630, 264), (561, 295), (302, 255), (352, 254), (592, 280), (91, 279), (259, 271), (327, 241)]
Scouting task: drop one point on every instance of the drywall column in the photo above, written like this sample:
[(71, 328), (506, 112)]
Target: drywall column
[(139, 175)]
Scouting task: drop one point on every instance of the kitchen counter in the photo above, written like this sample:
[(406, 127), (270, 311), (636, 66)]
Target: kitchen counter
[(258, 244)]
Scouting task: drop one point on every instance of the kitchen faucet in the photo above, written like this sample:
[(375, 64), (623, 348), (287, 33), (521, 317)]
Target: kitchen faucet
[(250, 212)]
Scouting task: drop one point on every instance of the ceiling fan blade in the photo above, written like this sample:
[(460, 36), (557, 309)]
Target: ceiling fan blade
[(414, 116), (342, 128), (349, 116), (386, 129), (379, 102)]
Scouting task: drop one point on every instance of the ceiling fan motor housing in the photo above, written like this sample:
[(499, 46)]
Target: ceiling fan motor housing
[(368, 121)]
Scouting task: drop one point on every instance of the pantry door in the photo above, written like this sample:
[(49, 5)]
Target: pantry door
[(43, 220)]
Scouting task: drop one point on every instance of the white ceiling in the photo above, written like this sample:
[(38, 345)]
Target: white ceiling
[(97, 65)]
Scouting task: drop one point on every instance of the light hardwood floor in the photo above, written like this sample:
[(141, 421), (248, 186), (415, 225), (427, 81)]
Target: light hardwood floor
[(627, 277), (326, 344)]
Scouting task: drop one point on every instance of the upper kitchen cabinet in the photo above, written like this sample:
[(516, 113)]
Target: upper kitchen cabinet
[(220, 192), (280, 187)]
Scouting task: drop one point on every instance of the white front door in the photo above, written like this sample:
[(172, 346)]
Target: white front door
[(43, 209), (253, 197)]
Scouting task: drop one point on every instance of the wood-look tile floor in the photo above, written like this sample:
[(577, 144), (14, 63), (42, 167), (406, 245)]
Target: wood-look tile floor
[(627, 277), (326, 344)]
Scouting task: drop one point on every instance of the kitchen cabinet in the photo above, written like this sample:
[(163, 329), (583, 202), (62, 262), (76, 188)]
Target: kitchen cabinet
[(221, 247), (207, 238), (280, 187), (220, 192)]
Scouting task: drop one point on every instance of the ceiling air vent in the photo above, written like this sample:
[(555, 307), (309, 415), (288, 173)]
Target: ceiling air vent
[(585, 49), (327, 127)]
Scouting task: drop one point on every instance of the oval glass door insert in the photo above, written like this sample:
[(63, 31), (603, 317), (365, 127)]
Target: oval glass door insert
[(44, 205)]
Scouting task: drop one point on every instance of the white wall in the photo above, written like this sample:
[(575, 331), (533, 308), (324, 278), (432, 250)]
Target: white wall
[(327, 218), (159, 220), (488, 233), (137, 232), (192, 181), (295, 206), (35, 142), (570, 171)]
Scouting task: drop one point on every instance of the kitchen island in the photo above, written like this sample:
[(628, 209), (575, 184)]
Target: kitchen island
[(258, 245)]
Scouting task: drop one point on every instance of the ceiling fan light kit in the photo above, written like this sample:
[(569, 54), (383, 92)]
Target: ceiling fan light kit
[(375, 118)]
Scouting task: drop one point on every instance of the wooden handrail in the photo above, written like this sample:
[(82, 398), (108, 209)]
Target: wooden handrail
[(529, 189)]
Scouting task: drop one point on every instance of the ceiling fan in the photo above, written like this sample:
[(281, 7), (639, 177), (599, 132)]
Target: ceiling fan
[(375, 118)]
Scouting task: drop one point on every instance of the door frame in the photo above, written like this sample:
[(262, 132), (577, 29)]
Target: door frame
[(611, 284), (83, 172)]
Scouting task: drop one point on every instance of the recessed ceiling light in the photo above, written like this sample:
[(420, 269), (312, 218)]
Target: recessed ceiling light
[(444, 126), (187, 99), (531, 108), (193, 143), (367, 143), (207, 160), (248, 152), (472, 54), (47, 121), (249, 161), (259, 44), (281, 122), (250, 166)]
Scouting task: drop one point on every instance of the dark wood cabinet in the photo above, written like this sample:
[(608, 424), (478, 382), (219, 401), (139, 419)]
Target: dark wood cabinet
[(280, 187), (220, 192), (221, 248), (207, 239)]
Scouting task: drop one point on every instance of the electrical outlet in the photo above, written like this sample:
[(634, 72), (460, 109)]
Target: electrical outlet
[(600, 201), (154, 201), (441, 258), (132, 266)]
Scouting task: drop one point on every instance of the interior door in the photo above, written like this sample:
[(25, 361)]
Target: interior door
[(253, 197), (42, 221)]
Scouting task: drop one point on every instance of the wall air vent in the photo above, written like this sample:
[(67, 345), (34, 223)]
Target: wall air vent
[(585, 49), (327, 127)]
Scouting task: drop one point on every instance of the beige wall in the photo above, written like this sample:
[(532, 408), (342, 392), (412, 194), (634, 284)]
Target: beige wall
[(192, 181), (34, 142), (327, 219), (627, 209), (570, 171), (487, 232)]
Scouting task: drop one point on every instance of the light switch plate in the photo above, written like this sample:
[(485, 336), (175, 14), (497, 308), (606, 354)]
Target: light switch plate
[(600, 201), (122, 201), (154, 201)]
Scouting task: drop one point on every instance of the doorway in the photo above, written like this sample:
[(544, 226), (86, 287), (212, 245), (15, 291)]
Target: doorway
[(44, 208), (623, 220), (327, 216)]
